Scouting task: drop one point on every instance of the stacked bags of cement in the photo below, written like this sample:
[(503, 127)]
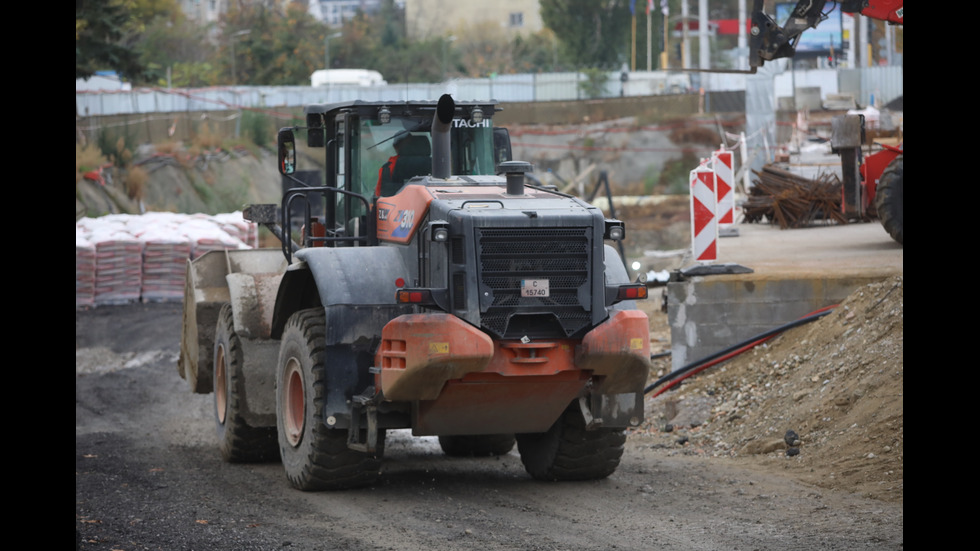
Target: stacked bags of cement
[(127, 258)]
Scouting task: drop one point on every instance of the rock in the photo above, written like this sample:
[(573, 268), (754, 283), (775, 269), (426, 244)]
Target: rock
[(755, 447)]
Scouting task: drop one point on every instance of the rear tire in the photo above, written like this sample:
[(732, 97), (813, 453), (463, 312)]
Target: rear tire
[(889, 201), (569, 452), (238, 441), (315, 457), (482, 445)]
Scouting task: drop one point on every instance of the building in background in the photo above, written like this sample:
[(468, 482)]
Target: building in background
[(335, 12), (331, 12), (423, 18), (204, 11), (432, 18)]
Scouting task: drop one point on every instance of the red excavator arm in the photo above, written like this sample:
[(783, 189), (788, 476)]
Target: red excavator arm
[(769, 41)]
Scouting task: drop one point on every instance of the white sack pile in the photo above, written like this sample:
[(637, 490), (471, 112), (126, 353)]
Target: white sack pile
[(123, 258)]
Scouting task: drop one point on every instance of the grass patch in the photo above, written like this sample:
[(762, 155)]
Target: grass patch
[(255, 128)]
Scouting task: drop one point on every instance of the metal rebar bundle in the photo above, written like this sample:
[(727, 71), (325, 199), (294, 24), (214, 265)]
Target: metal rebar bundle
[(793, 201)]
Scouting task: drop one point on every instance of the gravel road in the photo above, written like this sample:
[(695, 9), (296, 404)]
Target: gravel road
[(148, 475)]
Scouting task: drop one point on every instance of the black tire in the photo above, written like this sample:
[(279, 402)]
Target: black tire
[(569, 452), (888, 199), (315, 457), (238, 441), (482, 445)]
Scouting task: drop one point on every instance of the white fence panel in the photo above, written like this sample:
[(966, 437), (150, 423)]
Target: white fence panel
[(884, 83)]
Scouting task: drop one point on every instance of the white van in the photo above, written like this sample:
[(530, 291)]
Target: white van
[(350, 77)]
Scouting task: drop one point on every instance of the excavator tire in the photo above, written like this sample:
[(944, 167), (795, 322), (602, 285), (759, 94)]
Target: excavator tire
[(477, 445), (238, 441), (569, 452), (888, 199), (314, 457)]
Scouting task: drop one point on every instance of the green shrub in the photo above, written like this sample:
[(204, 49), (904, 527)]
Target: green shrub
[(594, 84), (255, 127), (116, 146)]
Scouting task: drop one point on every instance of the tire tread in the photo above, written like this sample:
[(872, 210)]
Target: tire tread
[(325, 462), (239, 442), (570, 452)]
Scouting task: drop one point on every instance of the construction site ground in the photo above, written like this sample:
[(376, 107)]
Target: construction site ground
[(709, 468)]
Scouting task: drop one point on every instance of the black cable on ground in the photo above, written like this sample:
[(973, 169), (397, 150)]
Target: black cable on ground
[(718, 357)]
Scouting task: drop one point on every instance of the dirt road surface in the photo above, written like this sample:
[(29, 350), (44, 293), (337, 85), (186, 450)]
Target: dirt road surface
[(148, 474)]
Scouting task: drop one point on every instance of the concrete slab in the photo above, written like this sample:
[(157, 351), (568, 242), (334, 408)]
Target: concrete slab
[(863, 248)]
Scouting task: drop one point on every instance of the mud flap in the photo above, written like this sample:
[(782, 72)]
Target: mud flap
[(362, 404)]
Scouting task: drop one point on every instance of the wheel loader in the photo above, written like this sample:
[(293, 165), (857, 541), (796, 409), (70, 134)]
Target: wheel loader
[(455, 299)]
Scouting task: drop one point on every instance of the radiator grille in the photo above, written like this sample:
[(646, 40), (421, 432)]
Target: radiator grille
[(560, 255)]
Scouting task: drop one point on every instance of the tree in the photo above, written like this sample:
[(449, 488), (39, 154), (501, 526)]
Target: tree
[(537, 52), (392, 21), (592, 33), (179, 51), (359, 45), (109, 36), (485, 49), (101, 34), (388, 51), (265, 46)]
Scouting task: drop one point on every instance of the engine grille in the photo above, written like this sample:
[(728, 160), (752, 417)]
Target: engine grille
[(560, 255)]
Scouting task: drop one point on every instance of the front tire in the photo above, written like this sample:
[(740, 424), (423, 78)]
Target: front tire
[(238, 441), (889, 199), (569, 452), (315, 457)]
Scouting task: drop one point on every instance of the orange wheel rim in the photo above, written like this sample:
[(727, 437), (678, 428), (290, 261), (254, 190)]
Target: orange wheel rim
[(294, 403), (220, 389)]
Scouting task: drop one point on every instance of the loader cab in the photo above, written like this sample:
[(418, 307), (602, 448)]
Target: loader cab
[(360, 139)]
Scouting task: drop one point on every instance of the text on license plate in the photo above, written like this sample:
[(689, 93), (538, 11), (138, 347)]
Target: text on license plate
[(534, 288)]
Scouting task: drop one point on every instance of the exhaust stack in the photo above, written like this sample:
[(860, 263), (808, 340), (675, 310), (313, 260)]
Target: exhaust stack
[(442, 121)]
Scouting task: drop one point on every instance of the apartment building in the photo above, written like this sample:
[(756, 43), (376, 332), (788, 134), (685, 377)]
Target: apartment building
[(430, 18)]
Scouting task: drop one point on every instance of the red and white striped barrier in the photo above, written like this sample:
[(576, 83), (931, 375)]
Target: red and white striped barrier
[(704, 223), (722, 163)]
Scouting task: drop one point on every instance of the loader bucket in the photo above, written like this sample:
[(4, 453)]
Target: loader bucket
[(248, 279)]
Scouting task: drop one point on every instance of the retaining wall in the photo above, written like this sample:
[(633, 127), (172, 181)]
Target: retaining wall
[(708, 314)]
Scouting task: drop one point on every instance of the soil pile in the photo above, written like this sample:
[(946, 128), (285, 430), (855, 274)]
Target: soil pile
[(823, 402)]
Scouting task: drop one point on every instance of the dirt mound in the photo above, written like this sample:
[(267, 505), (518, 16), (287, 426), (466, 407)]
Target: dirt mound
[(836, 383)]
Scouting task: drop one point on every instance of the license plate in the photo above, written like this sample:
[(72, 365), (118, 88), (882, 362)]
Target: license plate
[(534, 288)]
